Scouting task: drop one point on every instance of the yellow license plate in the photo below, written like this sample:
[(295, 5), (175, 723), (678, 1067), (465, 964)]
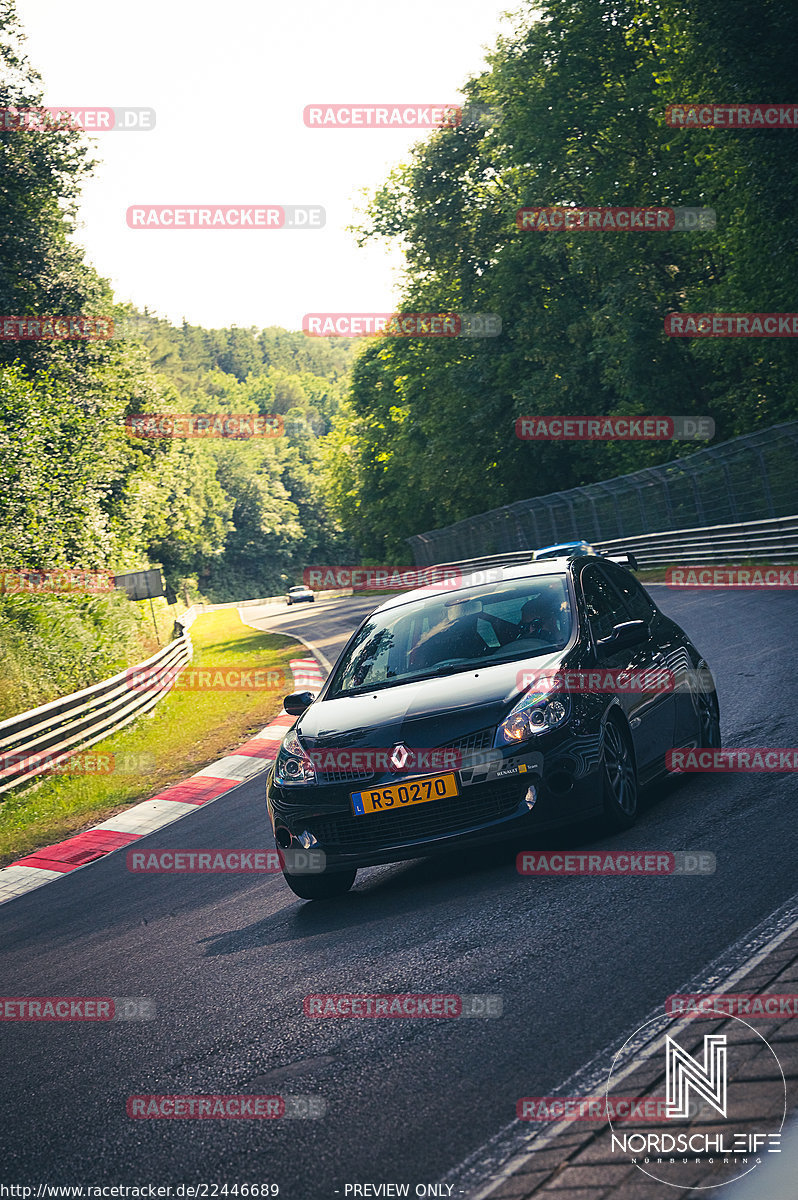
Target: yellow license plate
[(402, 795)]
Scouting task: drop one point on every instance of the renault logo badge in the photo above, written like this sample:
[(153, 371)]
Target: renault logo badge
[(399, 756)]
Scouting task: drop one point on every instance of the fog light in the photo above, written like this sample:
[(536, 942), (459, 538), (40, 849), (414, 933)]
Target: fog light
[(530, 799)]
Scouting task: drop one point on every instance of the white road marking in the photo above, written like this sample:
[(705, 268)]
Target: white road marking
[(236, 766), (147, 816), (15, 881)]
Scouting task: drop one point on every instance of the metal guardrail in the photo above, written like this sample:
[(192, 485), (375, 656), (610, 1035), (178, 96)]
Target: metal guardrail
[(749, 478), (201, 607), (773, 541), (34, 742)]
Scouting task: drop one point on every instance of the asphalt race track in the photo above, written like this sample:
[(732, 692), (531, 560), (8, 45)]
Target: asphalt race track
[(228, 960)]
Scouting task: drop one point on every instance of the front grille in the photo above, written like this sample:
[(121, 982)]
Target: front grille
[(472, 743), (476, 805), (344, 775)]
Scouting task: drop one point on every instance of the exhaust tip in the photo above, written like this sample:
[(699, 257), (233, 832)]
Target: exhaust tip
[(282, 837)]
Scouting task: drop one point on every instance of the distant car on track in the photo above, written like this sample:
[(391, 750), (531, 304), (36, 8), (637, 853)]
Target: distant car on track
[(563, 549), (446, 720), (573, 549), (298, 595)]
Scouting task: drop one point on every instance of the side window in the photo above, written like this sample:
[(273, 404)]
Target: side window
[(640, 606), (604, 606)]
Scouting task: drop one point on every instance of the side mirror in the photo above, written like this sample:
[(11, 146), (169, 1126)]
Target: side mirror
[(297, 702), (627, 634)]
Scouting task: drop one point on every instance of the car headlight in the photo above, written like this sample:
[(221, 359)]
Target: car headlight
[(536, 712), (293, 765)]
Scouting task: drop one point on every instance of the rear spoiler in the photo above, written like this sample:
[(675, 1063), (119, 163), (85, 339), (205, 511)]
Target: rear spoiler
[(626, 559)]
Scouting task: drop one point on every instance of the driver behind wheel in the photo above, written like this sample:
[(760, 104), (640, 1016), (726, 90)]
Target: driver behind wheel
[(540, 619), (458, 635)]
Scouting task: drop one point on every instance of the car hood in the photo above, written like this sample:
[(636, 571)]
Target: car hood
[(425, 713)]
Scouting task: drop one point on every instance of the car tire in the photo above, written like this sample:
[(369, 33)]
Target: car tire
[(312, 599), (709, 720), (619, 777), (325, 886), (289, 603)]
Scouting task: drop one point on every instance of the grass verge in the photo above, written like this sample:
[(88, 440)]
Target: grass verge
[(190, 728)]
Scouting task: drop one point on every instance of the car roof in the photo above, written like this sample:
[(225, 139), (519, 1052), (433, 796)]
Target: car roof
[(563, 565)]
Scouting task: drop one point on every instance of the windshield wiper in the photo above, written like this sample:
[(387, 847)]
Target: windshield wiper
[(449, 667)]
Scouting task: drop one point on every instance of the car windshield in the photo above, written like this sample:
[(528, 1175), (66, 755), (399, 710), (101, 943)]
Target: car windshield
[(456, 631)]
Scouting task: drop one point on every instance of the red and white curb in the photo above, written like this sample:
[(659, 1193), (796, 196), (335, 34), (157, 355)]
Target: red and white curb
[(51, 862)]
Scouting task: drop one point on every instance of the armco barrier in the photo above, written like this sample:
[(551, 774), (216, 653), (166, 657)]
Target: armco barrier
[(55, 730), (62, 727), (773, 541), (746, 480), (200, 607)]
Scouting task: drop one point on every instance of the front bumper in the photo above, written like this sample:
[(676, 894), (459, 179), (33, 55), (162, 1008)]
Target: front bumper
[(513, 794)]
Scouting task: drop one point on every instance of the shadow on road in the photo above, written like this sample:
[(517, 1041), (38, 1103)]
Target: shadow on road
[(398, 890)]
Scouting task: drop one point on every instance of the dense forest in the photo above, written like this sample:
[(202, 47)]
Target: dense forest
[(223, 517), (582, 87), (255, 512), (389, 436)]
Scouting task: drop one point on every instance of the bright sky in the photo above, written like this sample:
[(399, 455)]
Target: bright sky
[(229, 83)]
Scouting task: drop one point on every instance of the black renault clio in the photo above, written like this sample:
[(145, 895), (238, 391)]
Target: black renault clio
[(486, 710)]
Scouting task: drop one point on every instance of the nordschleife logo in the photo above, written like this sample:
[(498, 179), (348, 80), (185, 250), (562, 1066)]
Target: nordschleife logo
[(712, 1125)]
